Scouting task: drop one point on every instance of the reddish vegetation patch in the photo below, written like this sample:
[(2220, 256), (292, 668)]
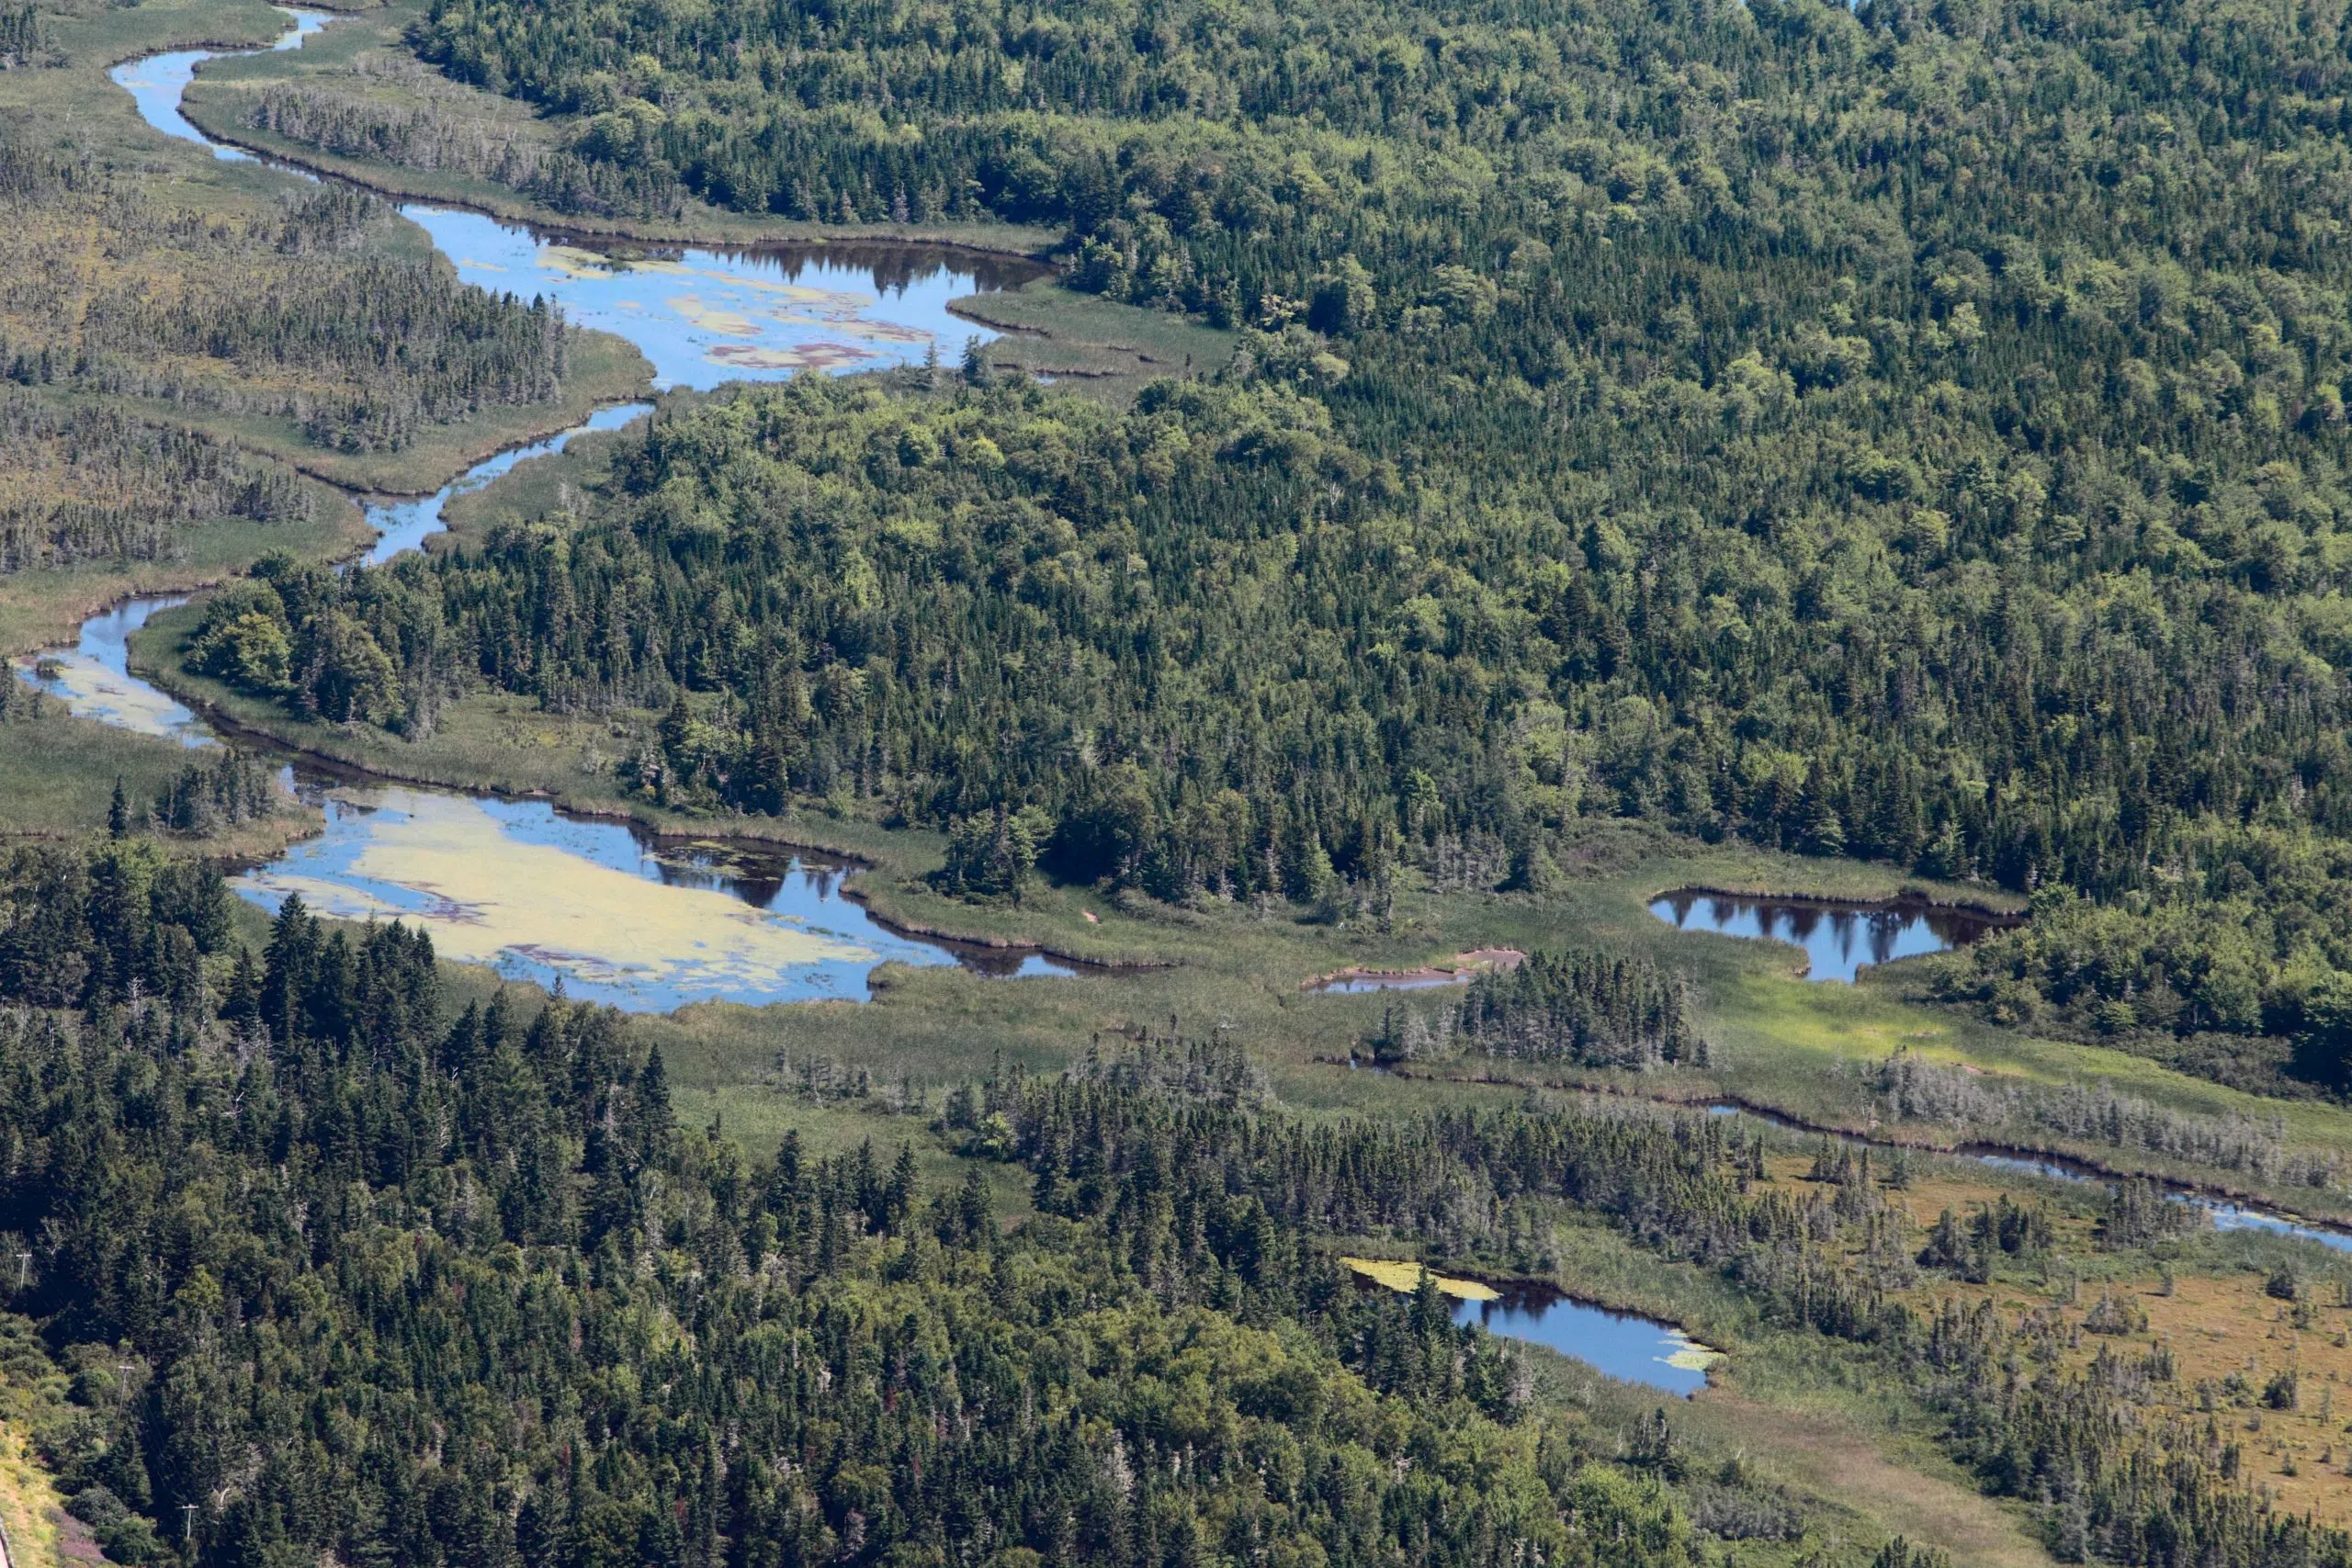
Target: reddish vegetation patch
[(798, 356), (74, 1542)]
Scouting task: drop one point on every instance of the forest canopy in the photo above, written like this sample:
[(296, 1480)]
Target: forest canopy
[(1911, 432)]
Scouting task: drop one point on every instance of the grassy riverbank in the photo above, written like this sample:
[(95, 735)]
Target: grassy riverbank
[(362, 65), (82, 240), (41, 609)]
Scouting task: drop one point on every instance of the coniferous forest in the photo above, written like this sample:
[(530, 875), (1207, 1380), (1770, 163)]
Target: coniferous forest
[(1893, 451), (1905, 433), (404, 1282)]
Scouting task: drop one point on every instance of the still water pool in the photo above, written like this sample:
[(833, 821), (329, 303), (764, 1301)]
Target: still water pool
[(93, 678), (1838, 939), (618, 915), (1637, 1349)]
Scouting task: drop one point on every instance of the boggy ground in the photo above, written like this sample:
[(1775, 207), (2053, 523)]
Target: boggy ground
[(2212, 1299), (86, 236)]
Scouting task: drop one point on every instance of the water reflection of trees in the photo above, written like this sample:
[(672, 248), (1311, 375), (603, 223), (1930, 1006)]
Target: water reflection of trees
[(893, 269), (1825, 928)]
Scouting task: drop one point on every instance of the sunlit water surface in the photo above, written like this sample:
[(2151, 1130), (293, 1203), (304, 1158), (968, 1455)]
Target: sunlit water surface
[(615, 915), (1623, 1345)]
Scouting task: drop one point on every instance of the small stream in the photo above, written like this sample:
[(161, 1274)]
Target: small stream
[(616, 914), (2226, 1214), (404, 522)]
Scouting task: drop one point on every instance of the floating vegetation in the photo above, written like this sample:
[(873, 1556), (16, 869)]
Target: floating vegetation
[(801, 356), (1400, 1275), (711, 318), (492, 887)]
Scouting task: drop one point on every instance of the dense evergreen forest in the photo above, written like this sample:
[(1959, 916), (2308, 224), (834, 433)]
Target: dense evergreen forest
[(351, 1270), (1905, 431), (351, 1274), (1913, 433), (1582, 1007)]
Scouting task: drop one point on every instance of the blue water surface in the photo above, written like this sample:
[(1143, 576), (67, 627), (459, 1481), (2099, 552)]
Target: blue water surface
[(1637, 1350), (1838, 939), (157, 81)]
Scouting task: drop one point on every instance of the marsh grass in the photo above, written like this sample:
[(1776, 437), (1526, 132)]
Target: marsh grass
[(1092, 345), (44, 608), (604, 370)]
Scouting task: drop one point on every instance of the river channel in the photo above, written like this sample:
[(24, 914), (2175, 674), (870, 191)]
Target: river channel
[(2225, 1215), (618, 915)]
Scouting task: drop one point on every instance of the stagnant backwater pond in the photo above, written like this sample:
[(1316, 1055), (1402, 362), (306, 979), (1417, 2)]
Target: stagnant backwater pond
[(1621, 1344), (616, 915), (1837, 939)]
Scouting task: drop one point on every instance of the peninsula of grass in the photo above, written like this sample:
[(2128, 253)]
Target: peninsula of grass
[(604, 370), (43, 608)]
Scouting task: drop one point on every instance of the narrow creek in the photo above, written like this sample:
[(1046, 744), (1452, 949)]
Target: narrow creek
[(618, 915), (2226, 1214)]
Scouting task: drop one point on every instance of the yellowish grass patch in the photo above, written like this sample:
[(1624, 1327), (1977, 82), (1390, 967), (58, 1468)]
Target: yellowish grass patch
[(1399, 1275)]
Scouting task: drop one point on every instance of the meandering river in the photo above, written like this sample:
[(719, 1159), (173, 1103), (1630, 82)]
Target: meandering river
[(618, 915)]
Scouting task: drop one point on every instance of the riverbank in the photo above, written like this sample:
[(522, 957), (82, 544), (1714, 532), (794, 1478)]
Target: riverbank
[(225, 90)]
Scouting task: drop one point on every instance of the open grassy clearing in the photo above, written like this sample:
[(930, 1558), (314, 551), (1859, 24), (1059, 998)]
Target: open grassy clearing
[(1107, 349), (2208, 1299), (57, 776)]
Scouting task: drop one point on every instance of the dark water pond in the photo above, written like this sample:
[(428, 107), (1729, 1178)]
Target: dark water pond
[(1360, 984), (1623, 1345), (1837, 939)]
